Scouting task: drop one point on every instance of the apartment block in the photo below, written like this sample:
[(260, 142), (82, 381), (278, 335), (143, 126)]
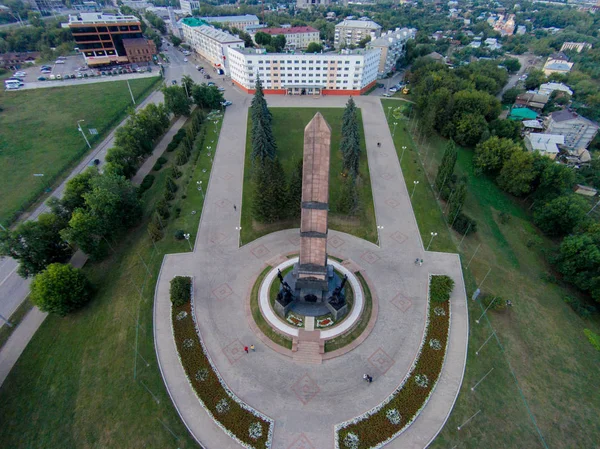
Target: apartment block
[(239, 22), (295, 37), (577, 130), (393, 46), (139, 49), (349, 72), (188, 6), (577, 46), (307, 4), (209, 42), (100, 37), (351, 32)]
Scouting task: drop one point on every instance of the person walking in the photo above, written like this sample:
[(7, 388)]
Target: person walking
[(252, 348), (246, 349), (234, 208), (420, 262)]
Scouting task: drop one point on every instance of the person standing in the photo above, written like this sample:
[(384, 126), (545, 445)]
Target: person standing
[(252, 348), (246, 349)]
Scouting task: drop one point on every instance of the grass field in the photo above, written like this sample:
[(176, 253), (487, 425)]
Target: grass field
[(79, 383), (40, 135), (541, 384), (288, 130)]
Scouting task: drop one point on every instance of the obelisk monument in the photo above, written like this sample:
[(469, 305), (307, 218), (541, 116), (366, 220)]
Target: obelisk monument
[(312, 276)]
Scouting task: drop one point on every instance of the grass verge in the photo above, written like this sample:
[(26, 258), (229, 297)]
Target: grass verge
[(40, 135), (288, 130), (16, 318)]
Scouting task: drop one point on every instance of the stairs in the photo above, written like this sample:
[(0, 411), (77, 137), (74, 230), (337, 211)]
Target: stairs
[(308, 352)]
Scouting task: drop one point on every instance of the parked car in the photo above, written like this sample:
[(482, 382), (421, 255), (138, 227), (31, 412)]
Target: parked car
[(393, 90), (221, 89), (59, 76), (387, 95), (211, 84), (207, 77), (20, 74), (41, 78), (185, 59), (226, 103), (59, 61), (174, 82)]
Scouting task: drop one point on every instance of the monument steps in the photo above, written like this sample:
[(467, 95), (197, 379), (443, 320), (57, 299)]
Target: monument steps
[(308, 352)]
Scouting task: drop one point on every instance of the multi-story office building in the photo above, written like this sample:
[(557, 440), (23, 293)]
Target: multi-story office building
[(100, 36), (351, 32), (350, 72), (139, 49), (393, 46), (239, 22), (295, 37), (306, 4), (209, 42), (188, 6)]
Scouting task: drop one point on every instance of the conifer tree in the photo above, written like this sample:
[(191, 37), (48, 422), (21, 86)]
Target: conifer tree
[(295, 191), (349, 200), (446, 168), (456, 201), (350, 143), (263, 143), (270, 192)]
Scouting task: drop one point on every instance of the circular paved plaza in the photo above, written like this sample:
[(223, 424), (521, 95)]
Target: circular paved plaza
[(305, 400)]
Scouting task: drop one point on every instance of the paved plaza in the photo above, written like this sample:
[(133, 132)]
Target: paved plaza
[(306, 401)]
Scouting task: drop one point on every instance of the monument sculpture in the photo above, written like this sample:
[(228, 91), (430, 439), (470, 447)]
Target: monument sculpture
[(312, 288)]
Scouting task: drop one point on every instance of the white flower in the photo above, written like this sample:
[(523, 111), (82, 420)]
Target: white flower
[(393, 416), (181, 315), (202, 375), (188, 343), (255, 430), (434, 343), (439, 311), (422, 380), (222, 406), (351, 440)]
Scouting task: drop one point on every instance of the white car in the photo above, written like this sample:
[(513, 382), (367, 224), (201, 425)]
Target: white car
[(221, 89), (20, 74), (59, 61), (393, 90), (185, 59)]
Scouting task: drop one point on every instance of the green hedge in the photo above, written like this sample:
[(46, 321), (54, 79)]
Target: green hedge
[(181, 290), (440, 288)]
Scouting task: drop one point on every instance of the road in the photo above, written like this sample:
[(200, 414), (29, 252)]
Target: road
[(527, 61), (13, 288)]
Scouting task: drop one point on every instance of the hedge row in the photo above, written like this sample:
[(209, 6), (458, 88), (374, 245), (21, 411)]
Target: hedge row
[(410, 397), (212, 393)]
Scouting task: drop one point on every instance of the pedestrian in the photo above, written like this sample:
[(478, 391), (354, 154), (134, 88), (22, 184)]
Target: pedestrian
[(246, 349), (416, 260), (370, 379), (234, 208), (379, 144), (420, 262), (252, 348)]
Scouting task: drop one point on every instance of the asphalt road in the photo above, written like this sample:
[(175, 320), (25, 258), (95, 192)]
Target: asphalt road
[(13, 288)]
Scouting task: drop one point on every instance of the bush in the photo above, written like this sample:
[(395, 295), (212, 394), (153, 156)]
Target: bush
[(182, 157), (593, 338), (464, 224), (440, 288), (162, 208), (181, 291), (171, 185), (175, 173), (169, 196), (60, 289), (146, 183), (504, 217), (156, 233), (179, 234), (579, 307), (162, 160), (156, 166), (499, 303)]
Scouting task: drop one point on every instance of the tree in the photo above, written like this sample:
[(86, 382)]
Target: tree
[(295, 190), (207, 97), (469, 129), (512, 65), (73, 194), (561, 215), (364, 41), (350, 142), (510, 95), (175, 40), (446, 168), (534, 78), (188, 84), (508, 129), (555, 179), (349, 199), (262, 38), (314, 47), (491, 155), (517, 174), (456, 201), (36, 244), (60, 289), (262, 140), (278, 42), (269, 199), (177, 100)]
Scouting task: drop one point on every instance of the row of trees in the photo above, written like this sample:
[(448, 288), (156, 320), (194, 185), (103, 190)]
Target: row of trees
[(179, 99)]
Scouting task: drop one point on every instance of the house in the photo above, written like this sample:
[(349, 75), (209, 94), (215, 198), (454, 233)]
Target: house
[(545, 144), (18, 59), (351, 32), (577, 46), (577, 130), (492, 43), (436, 57), (522, 114), (532, 100), (557, 63), (585, 190), (532, 126), (548, 88)]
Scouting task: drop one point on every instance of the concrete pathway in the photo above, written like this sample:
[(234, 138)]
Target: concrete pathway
[(307, 400)]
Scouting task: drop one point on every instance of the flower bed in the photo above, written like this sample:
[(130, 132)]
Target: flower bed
[(385, 422), (295, 320), (246, 425), (325, 323)]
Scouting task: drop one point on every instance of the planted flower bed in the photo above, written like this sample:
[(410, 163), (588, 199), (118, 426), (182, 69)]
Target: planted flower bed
[(383, 423), (248, 426)]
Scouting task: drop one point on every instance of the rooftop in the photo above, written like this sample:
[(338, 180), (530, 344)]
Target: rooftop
[(262, 51), (193, 22), (522, 114), (546, 143), (94, 17), (290, 30), (216, 34), (244, 18), (532, 124), (565, 115), (366, 24)]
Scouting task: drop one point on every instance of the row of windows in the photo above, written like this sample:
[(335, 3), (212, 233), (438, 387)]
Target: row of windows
[(297, 61)]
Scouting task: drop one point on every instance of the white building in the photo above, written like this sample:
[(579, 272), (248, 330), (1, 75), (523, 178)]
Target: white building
[(548, 88), (545, 144), (239, 22), (577, 46), (209, 42), (187, 6), (138, 5), (295, 37), (392, 45), (351, 32), (306, 4), (577, 130), (350, 72)]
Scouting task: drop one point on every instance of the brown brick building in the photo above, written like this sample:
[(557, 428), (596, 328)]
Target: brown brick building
[(139, 49)]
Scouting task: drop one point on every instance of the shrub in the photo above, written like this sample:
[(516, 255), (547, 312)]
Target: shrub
[(464, 224), (499, 303), (171, 185), (156, 233), (169, 196), (60, 289), (175, 173), (593, 338), (180, 290), (504, 217), (182, 157), (162, 160), (146, 183), (162, 208), (179, 234), (579, 307), (440, 288)]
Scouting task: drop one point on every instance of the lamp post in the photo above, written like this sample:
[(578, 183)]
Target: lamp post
[(239, 229), (414, 187), (379, 229), (403, 150), (82, 133), (394, 132), (199, 183), (187, 237), (433, 234)]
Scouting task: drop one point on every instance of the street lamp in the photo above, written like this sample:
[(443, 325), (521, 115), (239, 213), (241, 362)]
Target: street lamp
[(414, 187), (82, 133), (403, 150), (394, 132), (379, 229), (187, 237), (199, 183), (239, 229), (433, 234)]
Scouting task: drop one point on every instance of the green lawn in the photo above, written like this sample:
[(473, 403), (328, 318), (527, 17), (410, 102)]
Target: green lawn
[(39, 134), (74, 386), (288, 130), (544, 379)]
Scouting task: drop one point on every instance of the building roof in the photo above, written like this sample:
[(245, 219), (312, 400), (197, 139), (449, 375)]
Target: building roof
[(193, 22), (559, 56), (523, 114), (435, 55), (220, 36), (533, 99), (96, 17), (19, 56), (290, 30), (546, 143), (366, 24), (135, 42), (244, 18), (551, 87), (559, 66), (532, 124), (565, 115)]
